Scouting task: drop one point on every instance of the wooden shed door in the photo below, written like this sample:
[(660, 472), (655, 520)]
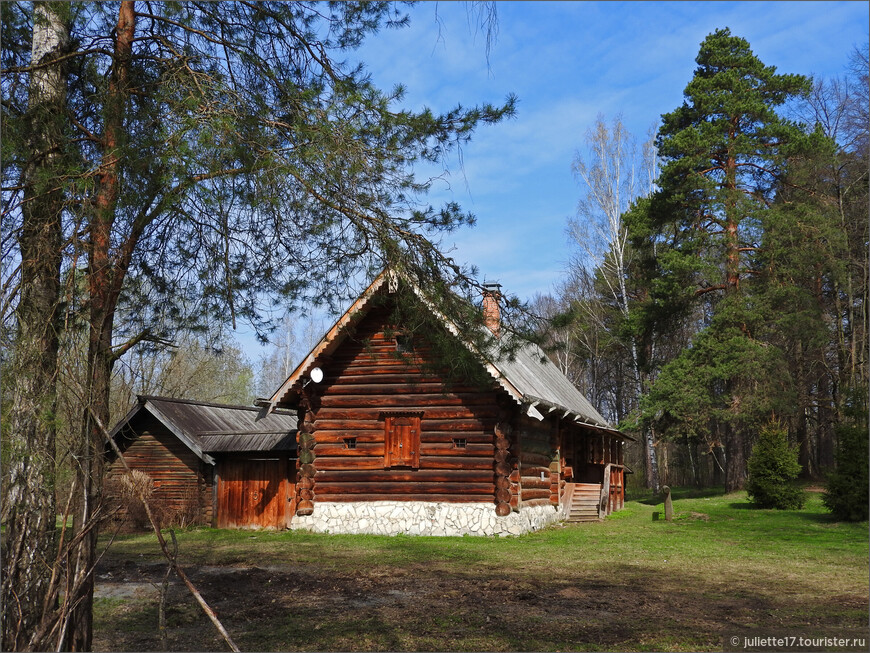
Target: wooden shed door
[(253, 492)]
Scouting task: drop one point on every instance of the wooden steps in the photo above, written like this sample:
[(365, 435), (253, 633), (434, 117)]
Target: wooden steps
[(584, 502)]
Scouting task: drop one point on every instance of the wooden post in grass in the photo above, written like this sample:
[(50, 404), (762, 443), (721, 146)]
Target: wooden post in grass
[(669, 505)]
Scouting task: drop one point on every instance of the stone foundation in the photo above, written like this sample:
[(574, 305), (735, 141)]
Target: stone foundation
[(422, 518)]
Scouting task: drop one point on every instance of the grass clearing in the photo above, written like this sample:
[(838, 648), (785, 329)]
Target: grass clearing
[(629, 583)]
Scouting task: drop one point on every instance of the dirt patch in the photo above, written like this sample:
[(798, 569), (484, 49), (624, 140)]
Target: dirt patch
[(124, 590), (421, 607)]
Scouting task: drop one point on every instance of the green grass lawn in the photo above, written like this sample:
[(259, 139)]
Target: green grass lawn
[(629, 583)]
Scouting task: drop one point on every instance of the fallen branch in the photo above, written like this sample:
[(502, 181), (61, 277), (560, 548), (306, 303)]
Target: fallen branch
[(164, 593), (165, 548)]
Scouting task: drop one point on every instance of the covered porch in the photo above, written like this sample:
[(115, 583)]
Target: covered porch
[(593, 472)]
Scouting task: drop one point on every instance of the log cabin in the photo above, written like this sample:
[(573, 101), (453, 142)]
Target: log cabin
[(212, 464), (387, 446)]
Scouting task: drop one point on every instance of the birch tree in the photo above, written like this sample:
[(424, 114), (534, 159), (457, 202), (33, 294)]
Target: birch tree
[(29, 502), (612, 176)]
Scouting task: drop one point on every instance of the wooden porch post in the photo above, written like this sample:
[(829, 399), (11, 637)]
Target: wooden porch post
[(216, 478), (556, 465)]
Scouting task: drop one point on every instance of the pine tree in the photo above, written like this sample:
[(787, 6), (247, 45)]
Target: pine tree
[(217, 154), (773, 469), (724, 152), (846, 492)]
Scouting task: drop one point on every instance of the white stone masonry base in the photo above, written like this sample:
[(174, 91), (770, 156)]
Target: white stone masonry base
[(422, 518)]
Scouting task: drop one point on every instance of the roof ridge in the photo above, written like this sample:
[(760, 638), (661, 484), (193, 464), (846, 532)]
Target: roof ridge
[(194, 402), (222, 434)]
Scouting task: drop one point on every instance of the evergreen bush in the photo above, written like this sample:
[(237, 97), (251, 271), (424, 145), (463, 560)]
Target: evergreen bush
[(846, 495), (773, 468)]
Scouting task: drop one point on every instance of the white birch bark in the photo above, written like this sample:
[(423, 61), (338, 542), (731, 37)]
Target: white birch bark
[(29, 501), (613, 177)]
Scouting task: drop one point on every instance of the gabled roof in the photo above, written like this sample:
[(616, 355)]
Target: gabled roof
[(213, 428), (529, 377)]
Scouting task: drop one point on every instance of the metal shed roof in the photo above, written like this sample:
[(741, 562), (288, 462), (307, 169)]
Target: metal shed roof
[(215, 428), (545, 389)]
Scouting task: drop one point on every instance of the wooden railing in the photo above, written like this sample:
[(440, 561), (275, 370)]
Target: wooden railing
[(567, 497), (604, 499)]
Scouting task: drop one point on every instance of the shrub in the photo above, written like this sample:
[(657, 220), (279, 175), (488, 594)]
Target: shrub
[(846, 495), (773, 468), (124, 497), (190, 509)]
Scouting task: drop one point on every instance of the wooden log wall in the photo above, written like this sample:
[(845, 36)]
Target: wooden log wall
[(367, 379), (306, 470), (182, 482), (507, 492), (536, 457)]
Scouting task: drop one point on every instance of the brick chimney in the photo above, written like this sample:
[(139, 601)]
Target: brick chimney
[(491, 312)]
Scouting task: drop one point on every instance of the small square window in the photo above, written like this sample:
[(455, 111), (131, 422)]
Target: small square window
[(404, 343), (350, 443), (460, 443)]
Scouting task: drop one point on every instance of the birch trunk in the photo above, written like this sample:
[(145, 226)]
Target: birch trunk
[(613, 181), (29, 506)]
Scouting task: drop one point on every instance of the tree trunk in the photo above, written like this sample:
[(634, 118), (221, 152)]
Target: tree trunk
[(105, 279), (718, 466), (825, 453), (29, 508), (641, 381), (90, 459), (650, 459), (696, 481), (735, 461), (804, 406)]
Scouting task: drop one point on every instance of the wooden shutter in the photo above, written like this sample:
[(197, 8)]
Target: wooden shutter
[(402, 441), (389, 442)]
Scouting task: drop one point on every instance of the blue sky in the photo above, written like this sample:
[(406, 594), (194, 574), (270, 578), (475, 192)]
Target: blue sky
[(567, 62)]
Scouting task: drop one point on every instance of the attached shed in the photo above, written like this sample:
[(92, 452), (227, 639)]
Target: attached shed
[(385, 446), (228, 466)]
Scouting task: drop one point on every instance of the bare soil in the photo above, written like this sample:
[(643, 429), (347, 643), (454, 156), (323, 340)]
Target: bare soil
[(433, 607), (631, 583)]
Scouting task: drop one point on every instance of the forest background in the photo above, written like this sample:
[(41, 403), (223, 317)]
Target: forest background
[(170, 172)]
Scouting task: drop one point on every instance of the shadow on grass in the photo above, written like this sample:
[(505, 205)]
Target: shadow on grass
[(677, 493), (817, 517), (659, 608), (820, 517)]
